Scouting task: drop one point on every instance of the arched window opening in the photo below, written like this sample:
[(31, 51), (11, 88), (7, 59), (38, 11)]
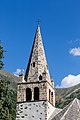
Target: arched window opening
[(49, 95), (28, 94), (40, 77), (52, 94), (36, 93), (52, 97)]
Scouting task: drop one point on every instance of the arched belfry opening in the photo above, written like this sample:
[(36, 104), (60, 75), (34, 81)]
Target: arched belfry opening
[(36, 93), (52, 97), (49, 95), (28, 94)]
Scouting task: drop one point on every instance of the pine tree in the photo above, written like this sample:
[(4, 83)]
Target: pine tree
[(1, 56), (7, 103)]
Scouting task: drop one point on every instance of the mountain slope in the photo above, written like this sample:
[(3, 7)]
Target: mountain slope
[(63, 95), (8, 76)]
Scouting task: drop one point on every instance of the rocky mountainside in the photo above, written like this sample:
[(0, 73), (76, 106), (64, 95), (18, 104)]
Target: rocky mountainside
[(63, 95), (8, 76)]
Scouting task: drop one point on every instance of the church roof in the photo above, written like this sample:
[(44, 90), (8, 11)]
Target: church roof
[(70, 112), (37, 64), (55, 112)]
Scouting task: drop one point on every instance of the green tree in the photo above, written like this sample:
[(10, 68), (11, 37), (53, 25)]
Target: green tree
[(7, 102), (1, 55)]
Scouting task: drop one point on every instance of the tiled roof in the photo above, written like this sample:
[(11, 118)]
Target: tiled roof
[(56, 111), (70, 112)]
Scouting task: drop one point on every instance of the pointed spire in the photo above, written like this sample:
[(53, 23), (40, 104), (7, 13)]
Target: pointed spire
[(37, 63)]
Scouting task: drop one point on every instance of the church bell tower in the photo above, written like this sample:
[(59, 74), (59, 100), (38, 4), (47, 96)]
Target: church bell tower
[(35, 92)]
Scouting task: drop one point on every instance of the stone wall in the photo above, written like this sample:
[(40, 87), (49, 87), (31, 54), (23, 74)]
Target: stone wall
[(38, 83), (31, 111), (37, 64), (21, 91), (41, 110), (44, 88), (50, 110), (52, 94)]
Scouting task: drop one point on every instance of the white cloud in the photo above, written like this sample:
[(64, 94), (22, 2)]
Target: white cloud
[(18, 71), (75, 51), (69, 81)]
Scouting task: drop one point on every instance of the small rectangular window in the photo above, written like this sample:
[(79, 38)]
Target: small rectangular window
[(33, 64)]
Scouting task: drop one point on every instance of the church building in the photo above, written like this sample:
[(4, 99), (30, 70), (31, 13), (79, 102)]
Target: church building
[(35, 91)]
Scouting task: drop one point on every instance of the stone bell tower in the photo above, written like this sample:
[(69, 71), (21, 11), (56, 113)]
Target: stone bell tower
[(36, 93)]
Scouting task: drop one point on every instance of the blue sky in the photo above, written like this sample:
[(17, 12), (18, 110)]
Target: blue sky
[(60, 28)]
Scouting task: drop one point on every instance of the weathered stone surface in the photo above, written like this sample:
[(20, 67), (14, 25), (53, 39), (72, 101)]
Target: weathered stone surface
[(38, 58), (41, 110), (37, 76)]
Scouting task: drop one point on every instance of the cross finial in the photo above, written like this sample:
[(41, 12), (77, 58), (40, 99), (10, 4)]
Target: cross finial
[(38, 21)]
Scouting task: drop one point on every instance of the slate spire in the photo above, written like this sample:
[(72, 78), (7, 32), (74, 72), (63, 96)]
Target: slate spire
[(37, 68)]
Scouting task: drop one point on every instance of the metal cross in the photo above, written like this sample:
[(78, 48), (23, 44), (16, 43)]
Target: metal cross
[(38, 21)]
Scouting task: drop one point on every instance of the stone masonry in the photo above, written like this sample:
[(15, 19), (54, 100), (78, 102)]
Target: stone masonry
[(35, 93)]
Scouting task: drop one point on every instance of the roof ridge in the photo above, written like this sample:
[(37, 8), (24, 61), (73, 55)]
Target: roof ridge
[(62, 111), (78, 103), (58, 111), (72, 102)]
